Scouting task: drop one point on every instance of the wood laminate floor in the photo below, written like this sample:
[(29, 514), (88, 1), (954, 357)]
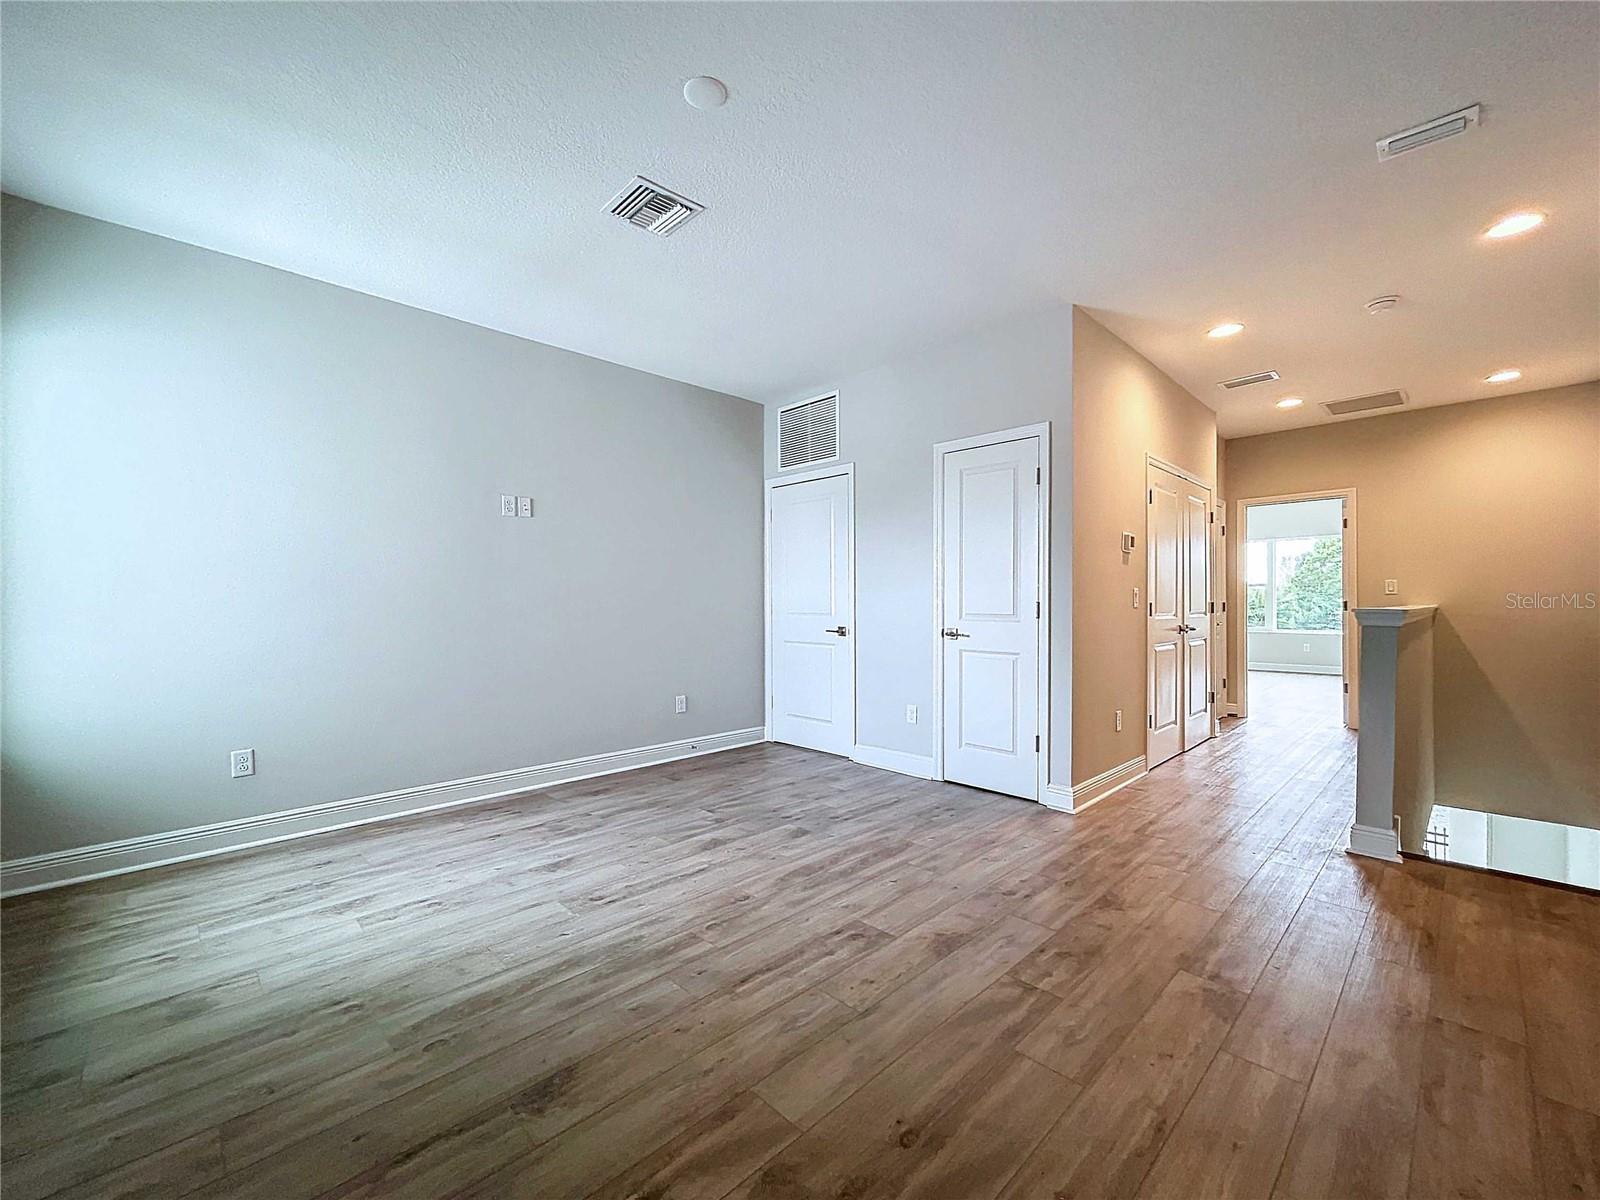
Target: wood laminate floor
[(771, 973)]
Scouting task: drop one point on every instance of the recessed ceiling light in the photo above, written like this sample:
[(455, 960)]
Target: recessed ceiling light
[(1290, 402), (1226, 329), (704, 91), (1513, 224), (1509, 375)]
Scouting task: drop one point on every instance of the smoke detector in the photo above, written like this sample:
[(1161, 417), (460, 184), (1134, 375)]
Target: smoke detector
[(1428, 132), (1382, 304), (653, 208), (1248, 380)]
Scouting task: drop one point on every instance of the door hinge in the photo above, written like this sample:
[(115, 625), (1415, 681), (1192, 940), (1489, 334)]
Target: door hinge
[(1038, 611), (1347, 689), (1224, 606), (1149, 495), (1038, 474), (1344, 522), (1213, 607), (1224, 531), (1213, 699), (1224, 685), (1152, 607), (1344, 605), (1213, 517), (1036, 743), (1150, 722)]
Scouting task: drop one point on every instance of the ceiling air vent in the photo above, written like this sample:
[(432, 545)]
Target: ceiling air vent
[(1361, 404), (1427, 133), (653, 208), (808, 432), (1247, 380)]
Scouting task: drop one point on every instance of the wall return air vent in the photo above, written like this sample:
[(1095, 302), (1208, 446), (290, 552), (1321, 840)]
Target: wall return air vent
[(1361, 404), (808, 432), (653, 208)]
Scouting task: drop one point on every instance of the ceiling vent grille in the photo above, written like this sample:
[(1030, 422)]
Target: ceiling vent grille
[(808, 432), (653, 208), (1427, 133), (1361, 404), (1248, 380)]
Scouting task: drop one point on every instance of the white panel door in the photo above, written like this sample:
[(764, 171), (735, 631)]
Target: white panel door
[(1178, 615), (1164, 584), (812, 694), (989, 565)]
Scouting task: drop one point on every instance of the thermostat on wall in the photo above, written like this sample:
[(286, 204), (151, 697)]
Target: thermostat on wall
[(1127, 543)]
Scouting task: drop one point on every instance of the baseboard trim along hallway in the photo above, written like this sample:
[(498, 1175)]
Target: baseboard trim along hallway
[(1092, 791), (79, 865)]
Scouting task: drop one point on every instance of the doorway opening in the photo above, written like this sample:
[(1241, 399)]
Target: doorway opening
[(1295, 593)]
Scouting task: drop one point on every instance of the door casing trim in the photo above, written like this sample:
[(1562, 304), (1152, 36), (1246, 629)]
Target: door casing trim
[(1234, 548), (848, 470), (1040, 430)]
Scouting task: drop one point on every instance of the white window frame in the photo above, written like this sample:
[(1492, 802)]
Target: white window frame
[(1272, 589)]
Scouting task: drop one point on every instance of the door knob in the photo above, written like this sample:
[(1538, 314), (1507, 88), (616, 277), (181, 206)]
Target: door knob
[(952, 634), (1185, 628), (842, 630)]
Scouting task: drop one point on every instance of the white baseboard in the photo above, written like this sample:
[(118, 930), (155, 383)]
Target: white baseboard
[(919, 766), (1297, 668), (161, 849), (1091, 791), (1371, 842)]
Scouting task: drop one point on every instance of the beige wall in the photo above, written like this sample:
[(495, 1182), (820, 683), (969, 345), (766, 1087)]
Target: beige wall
[(1463, 505), (1123, 408)]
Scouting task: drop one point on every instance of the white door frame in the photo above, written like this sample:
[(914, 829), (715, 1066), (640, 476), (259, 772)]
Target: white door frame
[(1150, 460), (1236, 540), (1040, 430), (848, 470)]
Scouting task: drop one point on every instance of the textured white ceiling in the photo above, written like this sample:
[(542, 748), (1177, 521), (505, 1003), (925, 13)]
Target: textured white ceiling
[(884, 176)]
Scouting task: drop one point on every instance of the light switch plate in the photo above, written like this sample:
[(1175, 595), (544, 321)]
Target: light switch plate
[(1391, 587), (680, 704)]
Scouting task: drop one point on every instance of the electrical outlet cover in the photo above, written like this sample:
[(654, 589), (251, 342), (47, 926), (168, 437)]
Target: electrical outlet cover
[(524, 506), (242, 763), (508, 505)]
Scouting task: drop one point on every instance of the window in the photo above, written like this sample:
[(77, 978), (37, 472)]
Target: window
[(1294, 583)]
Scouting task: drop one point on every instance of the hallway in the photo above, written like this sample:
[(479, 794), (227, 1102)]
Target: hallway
[(772, 973)]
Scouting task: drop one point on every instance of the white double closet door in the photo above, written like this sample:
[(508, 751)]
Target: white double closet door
[(989, 556), (1178, 614)]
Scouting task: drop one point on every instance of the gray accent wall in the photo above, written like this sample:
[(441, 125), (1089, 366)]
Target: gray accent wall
[(246, 509)]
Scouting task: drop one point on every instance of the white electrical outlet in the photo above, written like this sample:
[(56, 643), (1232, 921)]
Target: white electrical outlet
[(911, 714), (508, 505), (1119, 720), (242, 763), (680, 704), (1391, 587), (1305, 647), (524, 506)]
